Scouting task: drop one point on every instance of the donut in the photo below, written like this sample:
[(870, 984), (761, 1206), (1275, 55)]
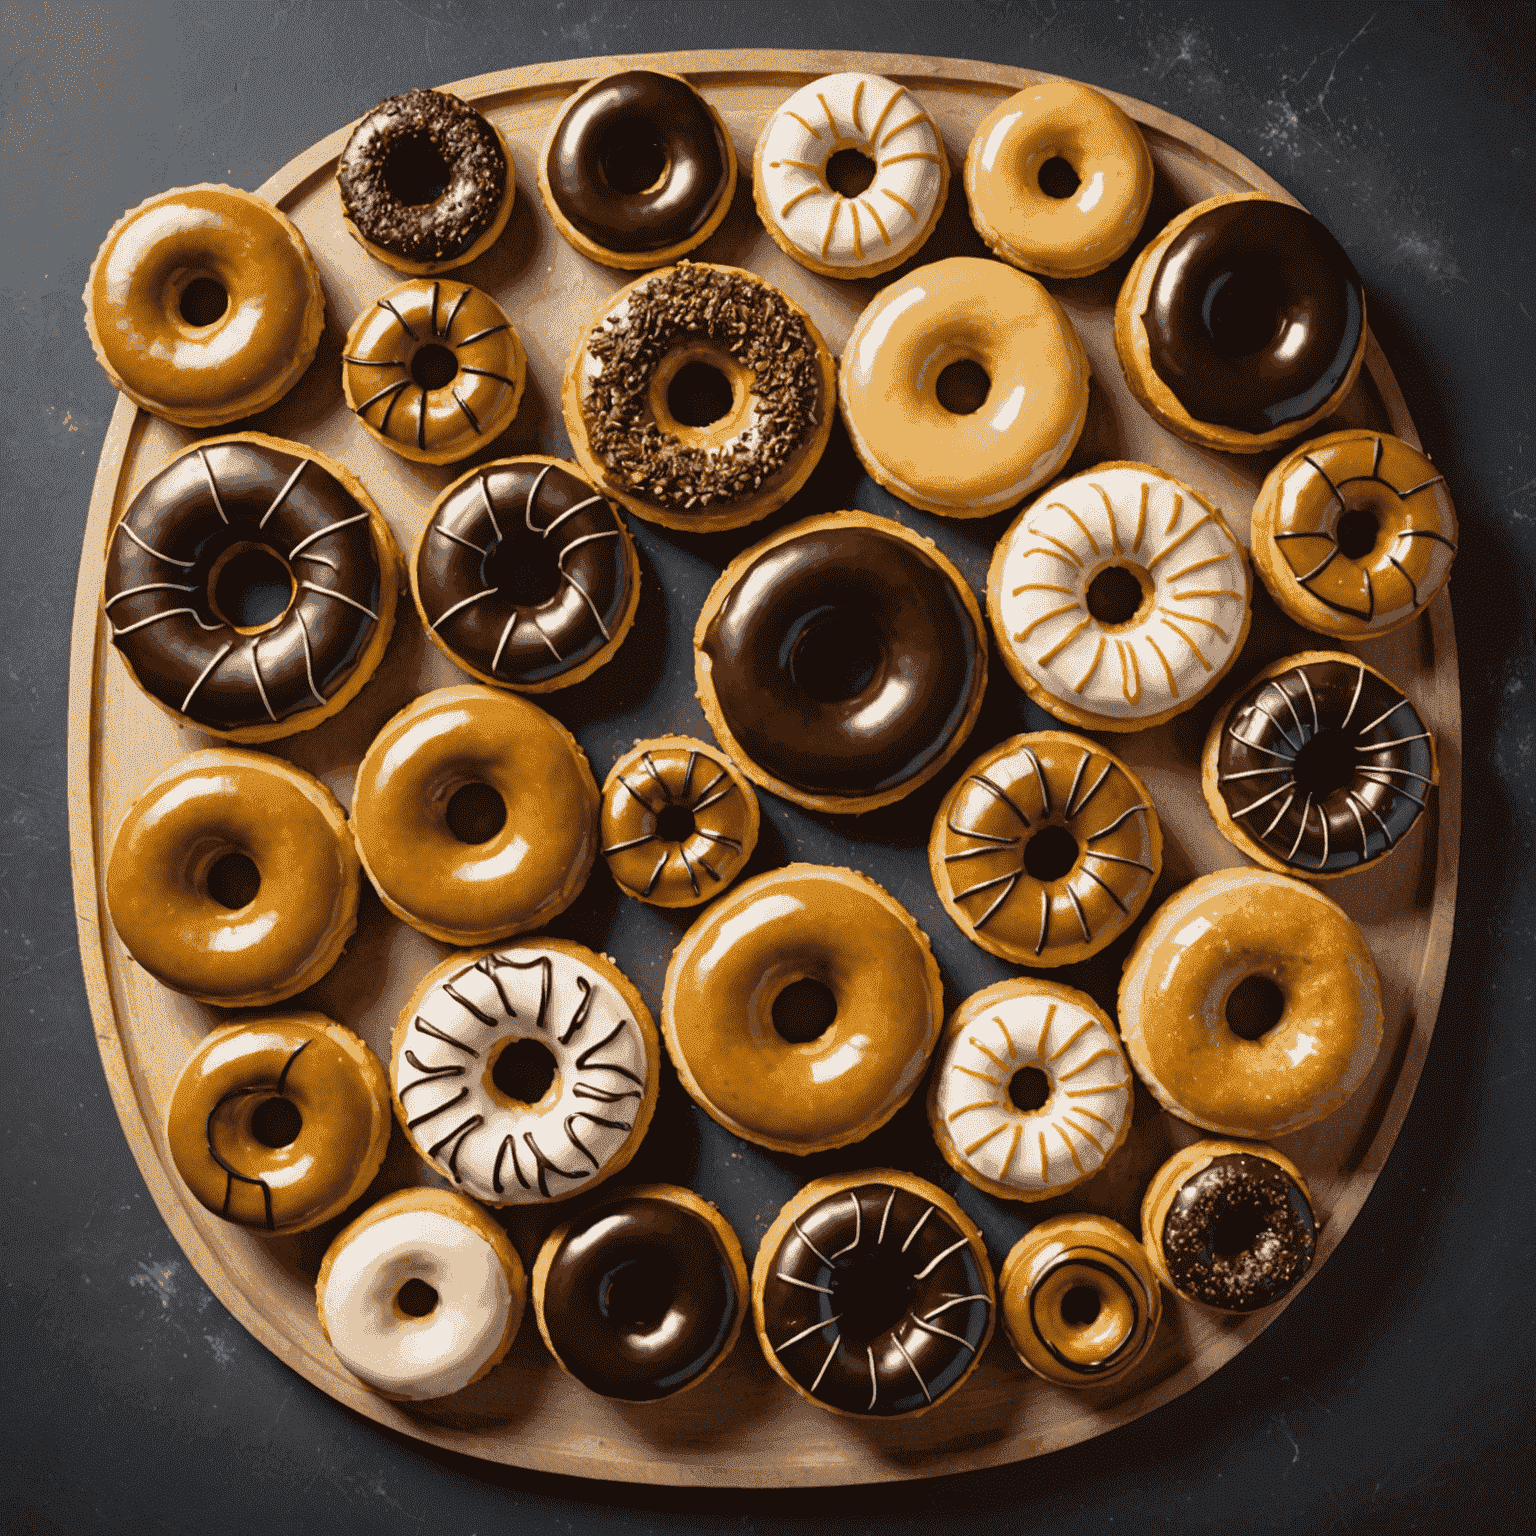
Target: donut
[(1058, 179), (1250, 1005), (435, 396), (872, 1294), (1080, 1301), (421, 1295), (279, 1124), (1354, 533), (801, 1008), (1047, 850), (250, 587), (525, 1074), (679, 821), (1327, 731), (475, 815), (700, 397), (233, 878), (1229, 1225), (1119, 598), (963, 387), (873, 139), (637, 170), (524, 577), (1242, 324), (426, 183), (841, 661), (204, 305), (1030, 1094), (643, 1295)]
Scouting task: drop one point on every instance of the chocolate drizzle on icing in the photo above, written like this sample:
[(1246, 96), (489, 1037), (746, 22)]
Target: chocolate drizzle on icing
[(1112, 1274), (278, 1090)]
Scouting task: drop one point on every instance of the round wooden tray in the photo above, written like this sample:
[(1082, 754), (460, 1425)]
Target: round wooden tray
[(742, 1426)]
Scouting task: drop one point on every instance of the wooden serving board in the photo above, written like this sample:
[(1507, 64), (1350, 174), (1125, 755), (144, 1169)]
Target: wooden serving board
[(742, 1426)]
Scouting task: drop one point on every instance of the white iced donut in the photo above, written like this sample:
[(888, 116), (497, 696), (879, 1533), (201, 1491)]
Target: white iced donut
[(1119, 598)]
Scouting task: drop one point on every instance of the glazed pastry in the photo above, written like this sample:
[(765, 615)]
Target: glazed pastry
[(637, 169), (1201, 1197), (1250, 1005), (841, 661), (1119, 598), (898, 162), (524, 577), (1031, 1094), (280, 1124), (439, 368), (527, 1073), (1319, 767), (1242, 325), (476, 815), (204, 305), (872, 1294), (679, 822), (426, 183), (964, 457), (642, 1296), (1058, 179), (1080, 1300), (800, 1009), (233, 878), (421, 1295), (700, 397), (251, 586), (1047, 850), (1354, 533)]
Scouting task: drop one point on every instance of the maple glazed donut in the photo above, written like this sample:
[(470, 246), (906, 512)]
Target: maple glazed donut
[(1250, 1005), (234, 878), (279, 1124), (801, 1008)]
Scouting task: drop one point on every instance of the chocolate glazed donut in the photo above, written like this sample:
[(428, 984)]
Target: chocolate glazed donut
[(1254, 316)]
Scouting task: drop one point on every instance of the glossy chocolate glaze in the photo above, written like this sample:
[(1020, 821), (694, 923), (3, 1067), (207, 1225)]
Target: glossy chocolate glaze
[(1286, 277), (616, 114), (162, 559), (928, 669)]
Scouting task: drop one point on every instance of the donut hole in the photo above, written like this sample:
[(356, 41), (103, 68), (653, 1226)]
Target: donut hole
[(1058, 179), (1244, 310), (631, 161), (871, 1295), (1325, 764), (804, 1010), (849, 172), (1254, 1007), (636, 1295), (674, 823), (1237, 1226), (962, 387), (276, 1122), (415, 172), (250, 587), (1080, 1306), (835, 656), (415, 1298), (523, 1071), (434, 366), (1028, 1089), (475, 813), (1116, 595), (699, 395), (1050, 854), (1356, 533), (203, 301), (233, 881), (527, 572)]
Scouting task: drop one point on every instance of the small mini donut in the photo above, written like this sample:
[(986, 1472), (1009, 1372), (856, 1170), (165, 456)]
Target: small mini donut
[(1105, 185), (421, 1295), (801, 1008), (518, 1066), (969, 458), (1047, 850), (699, 396), (841, 661), (524, 576), (638, 169), (1119, 598), (1031, 1094), (426, 182), (479, 872), (204, 305), (280, 1124), (1327, 731), (234, 878), (643, 1295), (905, 169), (1354, 533), (436, 396), (1242, 324), (679, 821), (872, 1294), (1080, 1300), (196, 572), (1210, 1193), (1250, 1005)]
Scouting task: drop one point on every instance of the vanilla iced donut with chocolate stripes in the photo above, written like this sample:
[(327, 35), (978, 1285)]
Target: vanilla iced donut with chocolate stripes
[(1119, 598)]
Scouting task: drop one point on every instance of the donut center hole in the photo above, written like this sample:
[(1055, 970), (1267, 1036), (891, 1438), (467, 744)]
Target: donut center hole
[(1080, 1306), (835, 657), (416, 1298), (962, 387), (1255, 1007), (1028, 1089), (415, 172), (632, 162), (1050, 854), (526, 572), (849, 172), (674, 823), (1237, 1227), (233, 881), (1324, 764), (250, 587), (1115, 595), (871, 1295), (804, 1010), (276, 1122), (203, 300), (524, 1070), (1243, 311), (699, 395), (1356, 533), (476, 813), (1058, 179), (433, 366), (636, 1296)]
